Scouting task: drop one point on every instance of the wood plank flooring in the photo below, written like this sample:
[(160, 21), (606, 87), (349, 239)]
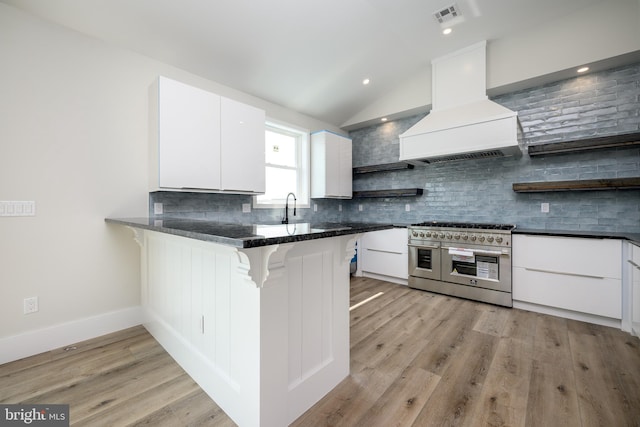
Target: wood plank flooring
[(417, 359)]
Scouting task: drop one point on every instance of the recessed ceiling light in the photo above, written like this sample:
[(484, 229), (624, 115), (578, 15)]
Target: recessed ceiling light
[(384, 119), (447, 31), (583, 69), (366, 81)]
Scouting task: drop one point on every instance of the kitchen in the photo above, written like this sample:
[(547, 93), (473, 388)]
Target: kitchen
[(77, 259)]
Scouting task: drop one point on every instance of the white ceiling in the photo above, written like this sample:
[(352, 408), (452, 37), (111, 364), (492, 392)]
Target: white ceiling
[(307, 55)]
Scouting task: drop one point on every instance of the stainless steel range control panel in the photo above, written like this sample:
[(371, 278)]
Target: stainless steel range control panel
[(456, 235)]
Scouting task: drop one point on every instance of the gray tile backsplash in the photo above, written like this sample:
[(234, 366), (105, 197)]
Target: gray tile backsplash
[(598, 104)]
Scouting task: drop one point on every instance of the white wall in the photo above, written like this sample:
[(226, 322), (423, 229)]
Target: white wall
[(604, 30), (73, 137)]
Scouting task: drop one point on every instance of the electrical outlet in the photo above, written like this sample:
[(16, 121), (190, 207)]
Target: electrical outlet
[(407, 207), (544, 207), (315, 207), (360, 208), (157, 209), (340, 208), (30, 305), (246, 207)]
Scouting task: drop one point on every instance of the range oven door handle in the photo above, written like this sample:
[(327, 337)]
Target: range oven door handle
[(481, 251), (424, 246)]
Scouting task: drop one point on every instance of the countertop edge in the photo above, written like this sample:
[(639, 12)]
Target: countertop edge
[(631, 237), (253, 242)]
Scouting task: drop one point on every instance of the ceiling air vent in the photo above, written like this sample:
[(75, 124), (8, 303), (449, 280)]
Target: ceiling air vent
[(448, 14)]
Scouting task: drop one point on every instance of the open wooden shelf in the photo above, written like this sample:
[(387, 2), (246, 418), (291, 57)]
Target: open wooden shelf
[(402, 192), (625, 140), (578, 185), (382, 168)]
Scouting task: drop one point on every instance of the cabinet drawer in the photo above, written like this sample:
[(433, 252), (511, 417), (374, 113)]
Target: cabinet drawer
[(598, 296), (385, 263), (393, 240), (572, 255)]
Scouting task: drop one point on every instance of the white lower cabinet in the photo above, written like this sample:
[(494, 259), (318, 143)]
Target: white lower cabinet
[(384, 255), (569, 276), (634, 261)]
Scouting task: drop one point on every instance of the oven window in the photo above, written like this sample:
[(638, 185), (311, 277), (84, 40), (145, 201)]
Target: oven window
[(484, 267), (425, 258)]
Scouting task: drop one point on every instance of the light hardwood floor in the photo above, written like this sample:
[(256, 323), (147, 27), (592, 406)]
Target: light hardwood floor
[(417, 359)]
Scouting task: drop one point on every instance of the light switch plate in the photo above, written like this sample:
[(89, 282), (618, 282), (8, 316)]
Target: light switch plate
[(246, 207), (157, 209), (18, 208)]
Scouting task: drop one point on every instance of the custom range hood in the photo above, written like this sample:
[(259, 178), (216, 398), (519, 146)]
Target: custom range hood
[(463, 122)]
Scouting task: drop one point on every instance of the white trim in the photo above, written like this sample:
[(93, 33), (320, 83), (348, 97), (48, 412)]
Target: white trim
[(303, 164), (568, 314), (41, 340), (385, 278)]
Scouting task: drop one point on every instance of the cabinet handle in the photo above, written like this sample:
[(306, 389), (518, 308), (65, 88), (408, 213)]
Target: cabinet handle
[(480, 251), (424, 246), (386, 252), (564, 273)]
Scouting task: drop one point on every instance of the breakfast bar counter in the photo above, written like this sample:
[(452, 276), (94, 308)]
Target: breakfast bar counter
[(258, 315)]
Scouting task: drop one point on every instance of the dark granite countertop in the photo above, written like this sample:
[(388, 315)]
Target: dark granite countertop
[(632, 237), (247, 235)]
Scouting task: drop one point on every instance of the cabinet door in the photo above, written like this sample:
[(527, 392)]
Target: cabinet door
[(242, 152), (346, 168), (188, 136), (635, 290), (330, 166)]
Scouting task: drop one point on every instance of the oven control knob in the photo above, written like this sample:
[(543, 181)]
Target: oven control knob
[(456, 236), (499, 239), (473, 237), (448, 235), (415, 234), (490, 239), (465, 237), (428, 234), (421, 234), (481, 238), (442, 235)]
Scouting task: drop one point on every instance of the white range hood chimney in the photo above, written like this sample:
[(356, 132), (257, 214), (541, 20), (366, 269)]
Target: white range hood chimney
[(463, 122)]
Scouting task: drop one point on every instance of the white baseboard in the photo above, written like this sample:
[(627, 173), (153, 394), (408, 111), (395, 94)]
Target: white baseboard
[(391, 279), (38, 341), (568, 314)]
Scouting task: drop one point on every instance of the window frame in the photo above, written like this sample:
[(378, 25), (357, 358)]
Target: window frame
[(303, 165)]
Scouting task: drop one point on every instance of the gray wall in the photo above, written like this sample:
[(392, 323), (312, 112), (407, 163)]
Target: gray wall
[(598, 104)]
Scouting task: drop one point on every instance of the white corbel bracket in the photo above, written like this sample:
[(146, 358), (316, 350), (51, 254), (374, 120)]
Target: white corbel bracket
[(263, 265), (138, 236)]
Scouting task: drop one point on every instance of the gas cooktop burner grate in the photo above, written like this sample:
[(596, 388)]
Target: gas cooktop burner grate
[(475, 225)]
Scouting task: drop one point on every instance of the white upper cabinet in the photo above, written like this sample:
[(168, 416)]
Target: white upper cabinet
[(331, 166), (201, 141), (243, 165), (188, 141)]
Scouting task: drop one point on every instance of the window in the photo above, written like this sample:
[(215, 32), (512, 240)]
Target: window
[(287, 166)]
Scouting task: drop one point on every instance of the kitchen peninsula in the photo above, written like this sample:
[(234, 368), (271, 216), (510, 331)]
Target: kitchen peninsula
[(258, 315)]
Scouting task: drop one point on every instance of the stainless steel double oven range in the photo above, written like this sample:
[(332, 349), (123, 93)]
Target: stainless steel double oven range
[(467, 260)]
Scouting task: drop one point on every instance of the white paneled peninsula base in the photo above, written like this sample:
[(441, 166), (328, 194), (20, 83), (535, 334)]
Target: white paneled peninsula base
[(263, 330)]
